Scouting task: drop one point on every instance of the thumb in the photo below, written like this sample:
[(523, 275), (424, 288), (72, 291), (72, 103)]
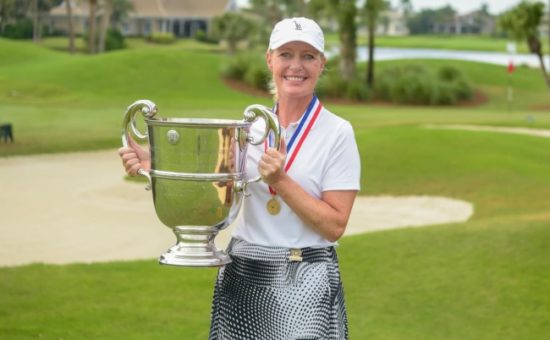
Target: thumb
[(132, 143)]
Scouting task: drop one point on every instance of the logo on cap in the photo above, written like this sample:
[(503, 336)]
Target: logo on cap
[(298, 26)]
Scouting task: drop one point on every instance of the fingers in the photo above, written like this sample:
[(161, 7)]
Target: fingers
[(130, 160), (271, 165), (132, 166), (124, 150)]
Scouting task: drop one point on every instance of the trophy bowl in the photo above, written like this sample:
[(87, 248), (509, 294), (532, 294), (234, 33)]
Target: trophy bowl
[(197, 175)]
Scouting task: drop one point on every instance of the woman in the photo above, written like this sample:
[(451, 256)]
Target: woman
[(284, 281)]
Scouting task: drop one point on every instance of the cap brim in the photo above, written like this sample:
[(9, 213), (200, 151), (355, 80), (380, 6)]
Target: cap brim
[(303, 39)]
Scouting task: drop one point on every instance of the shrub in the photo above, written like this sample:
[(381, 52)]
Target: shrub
[(415, 84), (444, 94), (257, 76), (22, 29), (449, 73), (238, 65), (114, 40), (204, 37), (332, 85), (463, 89), (357, 90), (161, 37)]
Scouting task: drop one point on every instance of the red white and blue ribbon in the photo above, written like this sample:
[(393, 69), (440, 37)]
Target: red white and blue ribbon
[(299, 136)]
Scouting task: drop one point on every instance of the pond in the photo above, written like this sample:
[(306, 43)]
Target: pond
[(389, 53)]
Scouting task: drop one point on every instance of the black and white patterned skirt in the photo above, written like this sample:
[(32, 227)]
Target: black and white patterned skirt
[(274, 293)]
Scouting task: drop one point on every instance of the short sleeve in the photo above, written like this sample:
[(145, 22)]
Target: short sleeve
[(343, 169)]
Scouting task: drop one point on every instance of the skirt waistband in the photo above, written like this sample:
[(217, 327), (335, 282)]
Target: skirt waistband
[(242, 248)]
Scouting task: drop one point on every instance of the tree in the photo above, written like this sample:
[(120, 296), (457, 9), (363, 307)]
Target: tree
[(372, 11), (70, 25), (232, 28), (406, 7), (294, 8), (269, 9), (345, 12), (482, 17), (92, 27), (37, 10), (422, 22), (275, 10), (105, 22), (443, 17), (522, 23), (35, 21), (12, 11), (432, 21), (120, 11)]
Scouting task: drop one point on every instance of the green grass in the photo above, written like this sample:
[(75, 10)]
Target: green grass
[(480, 280), (60, 102), (62, 44), (446, 42), (487, 278)]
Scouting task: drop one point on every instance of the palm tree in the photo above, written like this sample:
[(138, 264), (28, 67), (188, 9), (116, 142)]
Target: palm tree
[(92, 27), (522, 23), (407, 7), (70, 25), (345, 12), (269, 9), (373, 8), (233, 28), (120, 11), (35, 21), (105, 21)]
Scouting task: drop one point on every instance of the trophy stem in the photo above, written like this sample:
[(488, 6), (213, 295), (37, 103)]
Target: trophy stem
[(195, 248)]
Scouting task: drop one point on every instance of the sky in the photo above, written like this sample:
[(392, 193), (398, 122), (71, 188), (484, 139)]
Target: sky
[(462, 6)]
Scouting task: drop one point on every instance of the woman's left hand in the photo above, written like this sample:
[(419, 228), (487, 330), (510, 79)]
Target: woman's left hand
[(271, 165)]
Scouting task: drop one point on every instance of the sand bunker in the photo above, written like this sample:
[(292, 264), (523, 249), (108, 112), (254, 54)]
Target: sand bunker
[(76, 207)]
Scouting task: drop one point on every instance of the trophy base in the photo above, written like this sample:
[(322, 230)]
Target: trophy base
[(195, 248)]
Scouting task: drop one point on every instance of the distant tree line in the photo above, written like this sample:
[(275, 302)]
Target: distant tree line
[(22, 19), (428, 21)]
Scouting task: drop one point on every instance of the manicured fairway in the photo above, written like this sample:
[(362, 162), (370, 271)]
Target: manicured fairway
[(488, 278)]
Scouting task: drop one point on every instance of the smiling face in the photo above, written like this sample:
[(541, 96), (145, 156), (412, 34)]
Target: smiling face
[(295, 67)]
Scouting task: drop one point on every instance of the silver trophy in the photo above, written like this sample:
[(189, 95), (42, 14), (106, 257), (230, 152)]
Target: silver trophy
[(197, 175)]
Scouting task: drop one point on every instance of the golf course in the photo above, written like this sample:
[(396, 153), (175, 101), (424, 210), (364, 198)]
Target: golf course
[(486, 278)]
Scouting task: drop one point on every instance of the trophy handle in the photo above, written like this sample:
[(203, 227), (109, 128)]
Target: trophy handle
[(251, 114), (148, 109)]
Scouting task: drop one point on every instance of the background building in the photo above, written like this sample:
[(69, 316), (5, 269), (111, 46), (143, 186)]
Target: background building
[(183, 18)]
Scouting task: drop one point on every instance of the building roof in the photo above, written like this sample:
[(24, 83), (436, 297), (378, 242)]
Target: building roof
[(179, 8), (158, 8)]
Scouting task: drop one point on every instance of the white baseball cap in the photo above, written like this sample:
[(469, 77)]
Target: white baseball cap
[(297, 29)]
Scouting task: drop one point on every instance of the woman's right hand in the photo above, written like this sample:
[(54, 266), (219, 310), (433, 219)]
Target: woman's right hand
[(134, 158)]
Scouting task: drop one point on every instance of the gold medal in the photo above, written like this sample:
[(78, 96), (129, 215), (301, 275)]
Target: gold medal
[(273, 206)]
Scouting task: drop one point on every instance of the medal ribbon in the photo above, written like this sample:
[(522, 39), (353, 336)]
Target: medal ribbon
[(315, 107)]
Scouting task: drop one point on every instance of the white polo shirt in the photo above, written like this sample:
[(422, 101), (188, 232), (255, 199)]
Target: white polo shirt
[(327, 160)]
